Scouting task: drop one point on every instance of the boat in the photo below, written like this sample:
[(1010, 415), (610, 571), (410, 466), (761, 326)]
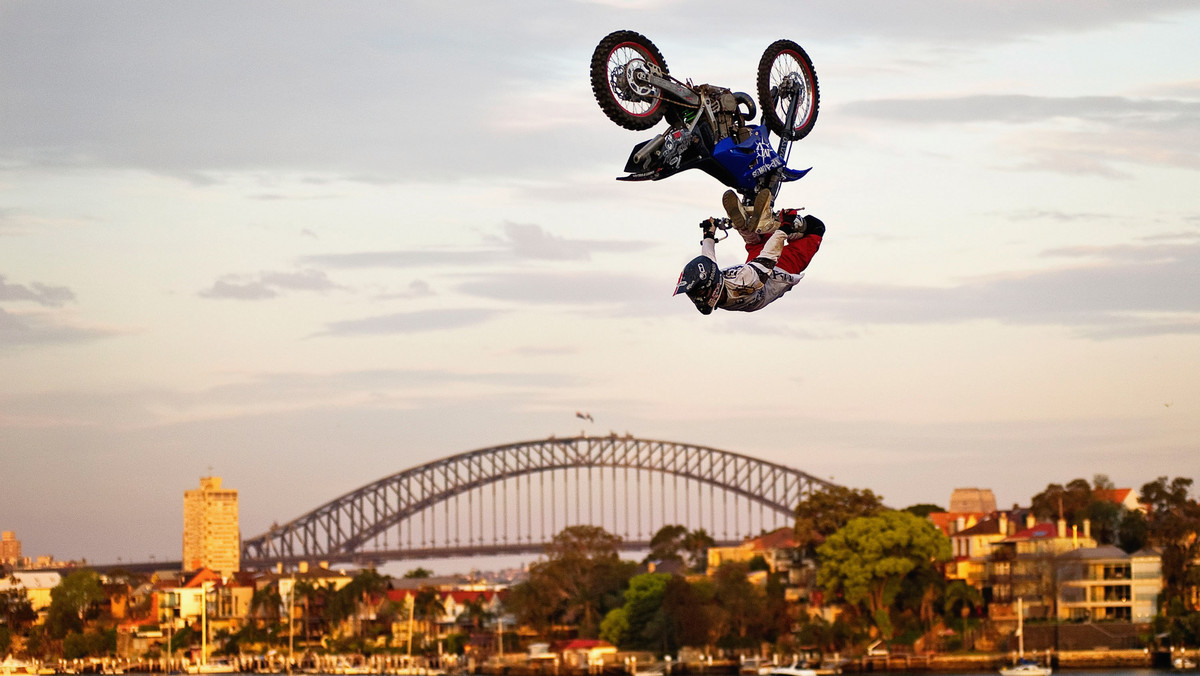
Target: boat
[(212, 668), (11, 665), (1023, 667), (790, 670), (1026, 668)]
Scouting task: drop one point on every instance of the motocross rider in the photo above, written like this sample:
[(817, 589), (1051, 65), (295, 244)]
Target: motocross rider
[(779, 246)]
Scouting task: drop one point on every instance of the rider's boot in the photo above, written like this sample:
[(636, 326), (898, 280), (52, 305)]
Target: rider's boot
[(762, 219), (734, 209)]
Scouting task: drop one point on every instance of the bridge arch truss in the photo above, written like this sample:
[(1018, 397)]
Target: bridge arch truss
[(514, 498)]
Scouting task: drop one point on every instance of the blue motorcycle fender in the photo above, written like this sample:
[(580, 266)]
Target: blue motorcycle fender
[(753, 158)]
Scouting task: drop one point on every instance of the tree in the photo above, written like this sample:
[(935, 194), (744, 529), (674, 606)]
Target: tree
[(1133, 531), (579, 582), (924, 509), (825, 511), (666, 544), (265, 605), (739, 607), (1070, 502), (686, 613), (866, 561), (72, 602), (418, 574), (1173, 525), (961, 598), (696, 544), (640, 623), (16, 611), (677, 543)]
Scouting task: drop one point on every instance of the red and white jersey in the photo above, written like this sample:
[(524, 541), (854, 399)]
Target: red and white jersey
[(756, 283)]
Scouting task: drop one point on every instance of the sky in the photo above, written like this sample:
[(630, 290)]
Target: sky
[(306, 245)]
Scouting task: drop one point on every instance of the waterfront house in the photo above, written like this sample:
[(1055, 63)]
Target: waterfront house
[(972, 546), (1104, 584), (1023, 566)]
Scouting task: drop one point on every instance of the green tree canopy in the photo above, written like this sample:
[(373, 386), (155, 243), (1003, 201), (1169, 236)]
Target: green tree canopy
[(677, 543), (16, 610), (867, 560), (640, 624), (580, 581), (73, 601), (923, 509), (1173, 525), (825, 511)]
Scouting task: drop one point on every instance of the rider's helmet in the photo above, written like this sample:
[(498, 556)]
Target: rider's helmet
[(701, 281)]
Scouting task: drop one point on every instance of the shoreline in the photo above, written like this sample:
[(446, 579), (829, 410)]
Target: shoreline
[(992, 662)]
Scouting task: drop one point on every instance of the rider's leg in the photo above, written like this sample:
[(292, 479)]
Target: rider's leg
[(734, 209), (761, 218)]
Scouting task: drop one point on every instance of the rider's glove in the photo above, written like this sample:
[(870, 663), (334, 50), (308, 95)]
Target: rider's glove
[(814, 226), (791, 222), (709, 227), (795, 224)]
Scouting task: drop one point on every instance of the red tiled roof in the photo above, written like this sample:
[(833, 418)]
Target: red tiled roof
[(776, 539), (1038, 532), (1117, 495), (985, 527), (468, 596)]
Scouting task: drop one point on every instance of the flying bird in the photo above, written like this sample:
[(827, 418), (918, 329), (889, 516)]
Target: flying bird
[(584, 416)]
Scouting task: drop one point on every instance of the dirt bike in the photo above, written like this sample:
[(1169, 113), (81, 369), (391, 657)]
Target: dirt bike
[(709, 126)]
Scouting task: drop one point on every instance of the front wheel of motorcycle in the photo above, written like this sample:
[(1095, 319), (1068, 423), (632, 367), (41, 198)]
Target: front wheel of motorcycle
[(787, 90), (618, 58)]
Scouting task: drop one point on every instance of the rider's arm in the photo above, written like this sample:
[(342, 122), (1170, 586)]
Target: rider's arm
[(708, 247)]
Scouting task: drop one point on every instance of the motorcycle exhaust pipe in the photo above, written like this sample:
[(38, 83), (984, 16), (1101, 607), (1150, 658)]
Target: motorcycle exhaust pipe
[(654, 144)]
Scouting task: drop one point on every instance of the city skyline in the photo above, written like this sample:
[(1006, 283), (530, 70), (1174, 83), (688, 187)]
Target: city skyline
[(306, 246)]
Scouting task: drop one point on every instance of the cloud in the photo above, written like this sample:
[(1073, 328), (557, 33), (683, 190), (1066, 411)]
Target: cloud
[(1019, 109), (1115, 292), (1105, 130), (569, 288), (409, 322), (418, 288), (530, 241), (405, 259), (268, 285), (48, 296), (517, 241), (21, 329)]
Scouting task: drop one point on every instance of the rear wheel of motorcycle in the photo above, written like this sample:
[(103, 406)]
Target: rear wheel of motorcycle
[(785, 64), (619, 101)]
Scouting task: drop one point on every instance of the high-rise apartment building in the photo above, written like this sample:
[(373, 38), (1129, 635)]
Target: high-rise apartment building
[(10, 548), (211, 537)]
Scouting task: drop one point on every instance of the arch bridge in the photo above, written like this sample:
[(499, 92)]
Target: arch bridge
[(513, 499)]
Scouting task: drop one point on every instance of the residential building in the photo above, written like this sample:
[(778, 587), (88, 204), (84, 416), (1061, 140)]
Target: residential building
[(454, 606), (37, 586), (1104, 583), (1023, 566), (777, 549), (972, 547), (211, 537)]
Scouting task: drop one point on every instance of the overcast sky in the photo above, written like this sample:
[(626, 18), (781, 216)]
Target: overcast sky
[(304, 245)]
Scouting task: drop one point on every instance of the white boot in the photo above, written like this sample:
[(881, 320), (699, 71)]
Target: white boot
[(734, 209), (762, 219)]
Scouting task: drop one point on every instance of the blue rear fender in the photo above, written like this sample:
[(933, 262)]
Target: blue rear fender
[(752, 158)]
